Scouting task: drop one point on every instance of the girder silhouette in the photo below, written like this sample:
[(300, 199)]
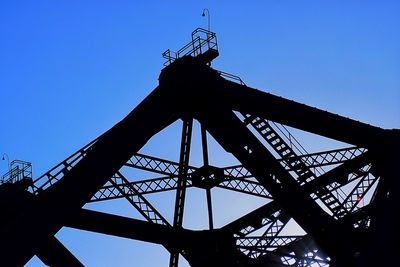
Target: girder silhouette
[(326, 203)]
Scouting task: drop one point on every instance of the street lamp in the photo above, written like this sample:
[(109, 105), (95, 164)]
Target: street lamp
[(208, 14), (8, 160)]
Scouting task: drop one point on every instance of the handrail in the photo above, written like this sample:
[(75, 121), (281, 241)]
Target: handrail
[(18, 170), (57, 172), (167, 55), (231, 77), (194, 47), (187, 46)]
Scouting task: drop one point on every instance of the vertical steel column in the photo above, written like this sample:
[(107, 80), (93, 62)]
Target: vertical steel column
[(206, 163), (182, 177), (381, 248)]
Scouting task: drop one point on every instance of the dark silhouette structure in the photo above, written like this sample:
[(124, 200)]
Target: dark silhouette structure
[(346, 199)]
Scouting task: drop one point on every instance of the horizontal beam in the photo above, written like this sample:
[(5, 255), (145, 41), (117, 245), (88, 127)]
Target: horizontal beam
[(154, 164), (330, 157), (115, 225), (150, 186), (253, 242), (146, 186), (247, 187), (301, 250), (198, 246), (338, 174)]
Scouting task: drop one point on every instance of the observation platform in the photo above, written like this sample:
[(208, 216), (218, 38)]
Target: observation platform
[(203, 46)]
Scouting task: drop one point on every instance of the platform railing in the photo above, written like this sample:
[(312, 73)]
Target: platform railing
[(202, 41), (19, 170), (231, 77)]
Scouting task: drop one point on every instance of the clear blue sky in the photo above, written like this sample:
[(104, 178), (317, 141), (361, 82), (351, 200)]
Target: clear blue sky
[(69, 70)]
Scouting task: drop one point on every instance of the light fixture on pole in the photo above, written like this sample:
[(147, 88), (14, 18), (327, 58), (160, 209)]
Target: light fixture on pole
[(8, 160), (208, 15)]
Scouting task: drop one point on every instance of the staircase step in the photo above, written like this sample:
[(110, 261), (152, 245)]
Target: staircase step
[(286, 152), (325, 197), (297, 167), (265, 127), (248, 118), (292, 159), (286, 158), (329, 200), (307, 175), (280, 147), (341, 213), (272, 139), (257, 121)]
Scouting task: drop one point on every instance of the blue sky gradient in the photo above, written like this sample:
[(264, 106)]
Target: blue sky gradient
[(69, 70)]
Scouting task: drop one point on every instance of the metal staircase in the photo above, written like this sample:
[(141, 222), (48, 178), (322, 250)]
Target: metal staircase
[(290, 158), (294, 162)]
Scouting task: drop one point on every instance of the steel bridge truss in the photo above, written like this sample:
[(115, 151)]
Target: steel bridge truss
[(335, 196)]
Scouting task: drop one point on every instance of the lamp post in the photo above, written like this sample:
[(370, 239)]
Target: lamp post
[(208, 15), (8, 160)]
